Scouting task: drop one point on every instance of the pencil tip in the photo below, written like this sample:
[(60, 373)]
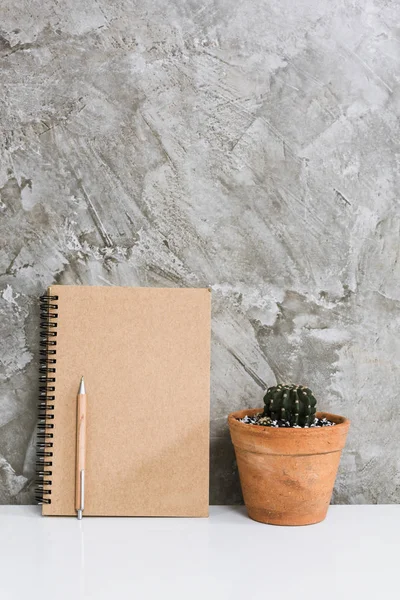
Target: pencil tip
[(82, 386)]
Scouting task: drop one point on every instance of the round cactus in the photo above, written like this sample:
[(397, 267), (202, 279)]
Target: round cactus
[(293, 403)]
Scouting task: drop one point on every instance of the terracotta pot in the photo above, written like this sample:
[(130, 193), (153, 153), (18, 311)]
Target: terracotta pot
[(287, 475)]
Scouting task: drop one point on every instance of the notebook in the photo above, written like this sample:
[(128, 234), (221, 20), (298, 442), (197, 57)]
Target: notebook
[(145, 357)]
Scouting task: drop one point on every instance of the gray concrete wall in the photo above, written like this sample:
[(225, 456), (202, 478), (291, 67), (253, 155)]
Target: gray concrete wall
[(251, 146)]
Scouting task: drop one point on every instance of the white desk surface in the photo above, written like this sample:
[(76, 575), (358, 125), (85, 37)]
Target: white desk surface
[(354, 553)]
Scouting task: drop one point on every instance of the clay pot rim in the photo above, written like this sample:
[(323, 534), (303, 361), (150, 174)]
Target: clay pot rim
[(340, 423)]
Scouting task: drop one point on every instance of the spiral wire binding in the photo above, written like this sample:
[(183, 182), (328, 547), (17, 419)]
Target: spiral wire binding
[(47, 378)]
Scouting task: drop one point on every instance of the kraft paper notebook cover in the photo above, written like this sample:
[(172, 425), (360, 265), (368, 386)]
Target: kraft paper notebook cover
[(145, 357)]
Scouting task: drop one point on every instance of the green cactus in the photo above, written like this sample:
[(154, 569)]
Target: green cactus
[(293, 403)]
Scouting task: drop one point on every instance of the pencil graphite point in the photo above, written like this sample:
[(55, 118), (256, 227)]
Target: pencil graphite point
[(82, 386)]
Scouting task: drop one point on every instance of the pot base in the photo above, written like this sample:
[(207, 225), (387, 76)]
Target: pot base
[(282, 519)]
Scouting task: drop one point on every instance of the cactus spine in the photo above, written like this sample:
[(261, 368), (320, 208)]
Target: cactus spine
[(293, 403)]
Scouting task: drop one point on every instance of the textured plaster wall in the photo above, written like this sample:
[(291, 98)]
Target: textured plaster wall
[(251, 146)]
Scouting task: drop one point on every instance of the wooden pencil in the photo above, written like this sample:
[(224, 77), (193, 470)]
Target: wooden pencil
[(80, 450)]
